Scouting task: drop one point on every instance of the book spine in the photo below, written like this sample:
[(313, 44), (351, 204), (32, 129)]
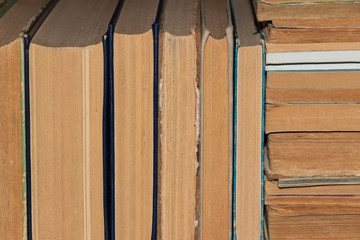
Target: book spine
[(236, 52), (106, 137), (262, 140), (27, 135), (156, 30), (108, 127)]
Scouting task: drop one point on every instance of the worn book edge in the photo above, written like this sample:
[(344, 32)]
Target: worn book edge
[(317, 181), (306, 180)]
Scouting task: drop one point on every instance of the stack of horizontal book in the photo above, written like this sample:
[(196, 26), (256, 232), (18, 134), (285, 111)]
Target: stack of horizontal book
[(312, 119)]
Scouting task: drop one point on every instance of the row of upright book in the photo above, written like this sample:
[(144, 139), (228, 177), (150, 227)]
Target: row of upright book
[(118, 120), (151, 119)]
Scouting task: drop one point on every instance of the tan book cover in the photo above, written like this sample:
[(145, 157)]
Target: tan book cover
[(249, 122), (133, 123), (66, 96)]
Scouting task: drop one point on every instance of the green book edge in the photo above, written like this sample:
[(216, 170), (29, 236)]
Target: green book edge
[(4, 8), (23, 142)]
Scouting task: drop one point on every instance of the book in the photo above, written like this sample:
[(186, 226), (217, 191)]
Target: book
[(312, 80), (134, 92), (16, 19), (249, 122), (309, 57), (312, 87), (179, 76), (316, 23), (312, 117), (302, 155), (272, 48), (315, 34), (66, 112), (318, 212), (216, 118), (305, 9)]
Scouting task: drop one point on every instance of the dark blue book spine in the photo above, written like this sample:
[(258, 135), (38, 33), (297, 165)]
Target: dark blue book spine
[(156, 30), (106, 138), (108, 128), (27, 136)]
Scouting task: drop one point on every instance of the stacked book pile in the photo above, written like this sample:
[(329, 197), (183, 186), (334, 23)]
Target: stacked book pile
[(312, 157)]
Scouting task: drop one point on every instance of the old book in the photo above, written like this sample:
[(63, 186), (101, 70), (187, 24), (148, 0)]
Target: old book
[(179, 76), (317, 23), (321, 212), (286, 35), (313, 87), (305, 9), (312, 95), (313, 154), (311, 57), (248, 128), (312, 117), (308, 47), (134, 119), (313, 80), (15, 18), (66, 96), (216, 129), (312, 36), (346, 66)]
